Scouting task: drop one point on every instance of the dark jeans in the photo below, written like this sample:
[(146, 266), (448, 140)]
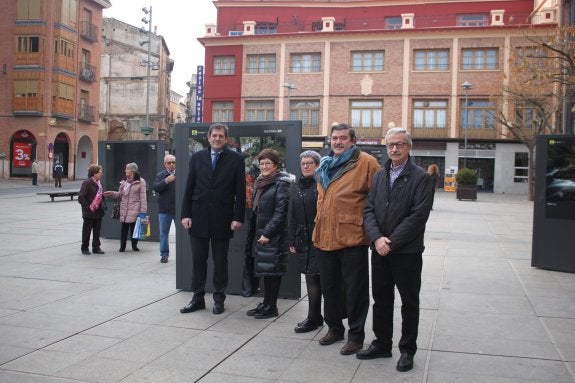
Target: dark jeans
[(200, 253), (34, 178), (348, 267), (403, 271), (57, 181), (127, 229), (91, 225)]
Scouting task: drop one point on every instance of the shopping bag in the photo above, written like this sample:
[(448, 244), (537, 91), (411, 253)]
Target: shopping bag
[(136, 232), (116, 210), (147, 233)]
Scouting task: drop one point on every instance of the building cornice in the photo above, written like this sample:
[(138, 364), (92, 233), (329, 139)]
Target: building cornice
[(102, 3)]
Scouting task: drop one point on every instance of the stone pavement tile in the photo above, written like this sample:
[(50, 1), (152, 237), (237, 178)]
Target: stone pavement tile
[(249, 326), (266, 344), (69, 324), (27, 337), (214, 377), (286, 330), (482, 275), (339, 369), (562, 331), (445, 367), (149, 344), (100, 370), (20, 377), (254, 365), (116, 329), (485, 303), (84, 344), (10, 352), (488, 333), (45, 362)]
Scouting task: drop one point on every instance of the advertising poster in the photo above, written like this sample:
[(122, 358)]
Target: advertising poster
[(22, 154)]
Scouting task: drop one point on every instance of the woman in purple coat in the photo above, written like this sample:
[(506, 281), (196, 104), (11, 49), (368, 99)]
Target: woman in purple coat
[(133, 201)]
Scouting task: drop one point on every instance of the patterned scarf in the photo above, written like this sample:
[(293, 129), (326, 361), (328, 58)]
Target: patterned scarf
[(328, 164), (261, 183), (95, 204)]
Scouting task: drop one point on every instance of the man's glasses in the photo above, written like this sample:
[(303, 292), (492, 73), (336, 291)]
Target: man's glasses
[(398, 145), (266, 163), (170, 162), (304, 164)]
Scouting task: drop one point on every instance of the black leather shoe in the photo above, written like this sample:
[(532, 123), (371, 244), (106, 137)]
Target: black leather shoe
[(218, 308), (330, 338), (255, 311), (122, 249), (193, 306), (86, 252), (306, 325), (405, 363), (373, 352), (350, 348), (135, 248), (267, 312), (98, 251), (164, 259)]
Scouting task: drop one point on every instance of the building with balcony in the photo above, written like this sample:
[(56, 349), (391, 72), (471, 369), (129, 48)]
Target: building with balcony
[(49, 68), (128, 97), (376, 63)]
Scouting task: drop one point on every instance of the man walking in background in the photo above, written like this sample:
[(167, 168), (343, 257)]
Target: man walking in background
[(58, 171), (165, 186)]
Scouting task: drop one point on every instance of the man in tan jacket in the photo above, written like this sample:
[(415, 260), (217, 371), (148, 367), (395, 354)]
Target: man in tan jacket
[(344, 178)]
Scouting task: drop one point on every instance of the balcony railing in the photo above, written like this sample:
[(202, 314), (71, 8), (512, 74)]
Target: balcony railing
[(429, 132), (479, 133), (86, 113), (87, 72), (89, 31)]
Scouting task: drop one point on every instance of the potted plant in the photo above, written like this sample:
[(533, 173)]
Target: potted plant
[(466, 180)]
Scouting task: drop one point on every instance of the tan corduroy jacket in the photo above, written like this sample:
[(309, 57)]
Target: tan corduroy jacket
[(339, 219)]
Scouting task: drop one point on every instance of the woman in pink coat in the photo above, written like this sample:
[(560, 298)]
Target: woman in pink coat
[(133, 201)]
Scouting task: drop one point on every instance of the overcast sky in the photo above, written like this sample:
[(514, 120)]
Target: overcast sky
[(180, 22)]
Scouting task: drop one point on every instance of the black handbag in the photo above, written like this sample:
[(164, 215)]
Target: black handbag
[(116, 210)]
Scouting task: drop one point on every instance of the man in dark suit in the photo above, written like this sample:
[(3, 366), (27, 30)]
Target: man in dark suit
[(212, 209)]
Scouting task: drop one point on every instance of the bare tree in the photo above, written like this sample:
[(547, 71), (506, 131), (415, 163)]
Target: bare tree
[(530, 99)]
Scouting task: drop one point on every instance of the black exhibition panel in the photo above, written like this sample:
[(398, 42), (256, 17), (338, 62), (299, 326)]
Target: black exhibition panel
[(247, 138), (554, 207), (113, 157)]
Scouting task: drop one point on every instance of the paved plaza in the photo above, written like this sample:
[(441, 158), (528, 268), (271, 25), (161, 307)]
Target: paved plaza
[(487, 315)]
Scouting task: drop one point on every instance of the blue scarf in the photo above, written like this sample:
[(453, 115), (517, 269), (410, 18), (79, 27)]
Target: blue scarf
[(328, 163)]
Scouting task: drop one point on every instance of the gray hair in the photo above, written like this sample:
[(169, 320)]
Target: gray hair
[(398, 130), (132, 166), (312, 154)]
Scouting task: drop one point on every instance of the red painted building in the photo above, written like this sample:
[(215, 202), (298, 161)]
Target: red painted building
[(372, 63)]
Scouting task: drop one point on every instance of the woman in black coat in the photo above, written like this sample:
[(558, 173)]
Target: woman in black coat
[(303, 209), (93, 209), (268, 230)]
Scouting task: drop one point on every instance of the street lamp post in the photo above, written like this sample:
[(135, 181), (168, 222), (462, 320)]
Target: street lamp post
[(289, 86), (466, 85), (147, 129)]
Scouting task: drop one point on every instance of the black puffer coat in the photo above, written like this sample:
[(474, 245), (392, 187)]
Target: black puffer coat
[(303, 201), (88, 192), (270, 220)]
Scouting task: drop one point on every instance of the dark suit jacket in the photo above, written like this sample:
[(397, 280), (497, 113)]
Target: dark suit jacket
[(213, 199)]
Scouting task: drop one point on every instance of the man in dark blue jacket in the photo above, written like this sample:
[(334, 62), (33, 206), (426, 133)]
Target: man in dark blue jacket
[(396, 211), (213, 207), (165, 186)]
